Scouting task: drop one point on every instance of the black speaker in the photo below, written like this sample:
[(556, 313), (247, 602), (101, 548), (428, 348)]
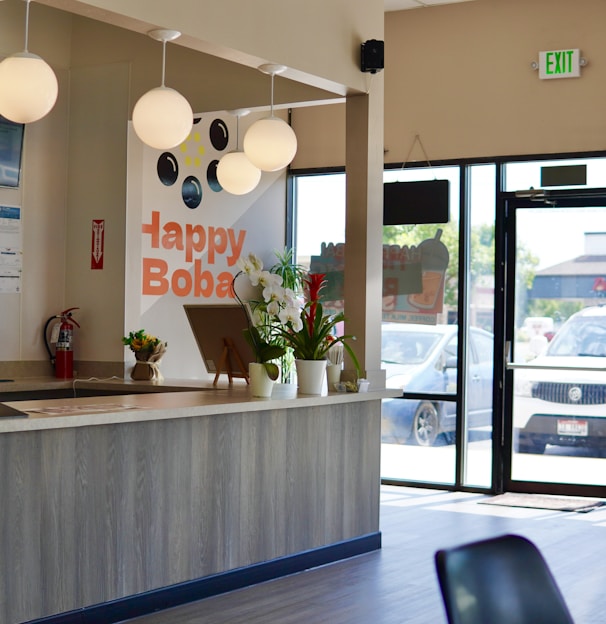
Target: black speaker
[(372, 56)]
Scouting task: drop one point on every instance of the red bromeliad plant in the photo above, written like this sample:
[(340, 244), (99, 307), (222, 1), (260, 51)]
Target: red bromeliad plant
[(313, 285), (314, 335)]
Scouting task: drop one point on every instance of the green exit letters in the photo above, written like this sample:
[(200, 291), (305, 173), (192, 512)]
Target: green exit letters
[(559, 64)]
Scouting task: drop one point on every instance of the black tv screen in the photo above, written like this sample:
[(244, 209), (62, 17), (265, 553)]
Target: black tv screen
[(411, 203), (11, 146)]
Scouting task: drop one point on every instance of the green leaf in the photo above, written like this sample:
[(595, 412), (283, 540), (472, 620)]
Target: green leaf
[(272, 370)]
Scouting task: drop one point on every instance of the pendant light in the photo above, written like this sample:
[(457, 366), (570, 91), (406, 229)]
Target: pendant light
[(28, 86), (162, 117), (236, 174), (270, 143)]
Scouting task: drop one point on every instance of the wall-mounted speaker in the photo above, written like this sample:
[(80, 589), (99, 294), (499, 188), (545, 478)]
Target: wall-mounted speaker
[(372, 52)]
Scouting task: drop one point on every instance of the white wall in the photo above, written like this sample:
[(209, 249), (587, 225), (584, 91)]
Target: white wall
[(223, 227)]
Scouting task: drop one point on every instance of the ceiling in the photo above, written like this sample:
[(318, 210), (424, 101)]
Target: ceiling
[(400, 5)]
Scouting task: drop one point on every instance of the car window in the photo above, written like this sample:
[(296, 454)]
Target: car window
[(583, 336), (451, 348), (407, 347), (483, 346)]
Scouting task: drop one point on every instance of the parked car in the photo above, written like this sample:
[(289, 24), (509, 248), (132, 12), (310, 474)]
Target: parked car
[(423, 358), (564, 404)]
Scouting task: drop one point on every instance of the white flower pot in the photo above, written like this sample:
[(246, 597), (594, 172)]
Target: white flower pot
[(260, 383), (311, 376)]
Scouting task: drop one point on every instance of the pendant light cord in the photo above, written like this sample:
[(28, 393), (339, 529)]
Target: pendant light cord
[(26, 24), (163, 59), (273, 75)]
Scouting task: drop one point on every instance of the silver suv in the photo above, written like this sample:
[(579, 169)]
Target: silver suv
[(564, 403)]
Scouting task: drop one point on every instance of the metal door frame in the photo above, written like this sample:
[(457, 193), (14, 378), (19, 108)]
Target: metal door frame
[(505, 237)]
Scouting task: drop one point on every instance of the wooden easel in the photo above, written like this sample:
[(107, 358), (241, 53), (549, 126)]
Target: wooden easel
[(225, 364)]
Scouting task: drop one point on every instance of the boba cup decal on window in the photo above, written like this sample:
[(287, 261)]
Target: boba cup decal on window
[(434, 262)]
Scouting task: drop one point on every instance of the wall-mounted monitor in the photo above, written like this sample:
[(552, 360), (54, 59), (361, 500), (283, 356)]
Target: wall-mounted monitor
[(11, 148), (411, 203)]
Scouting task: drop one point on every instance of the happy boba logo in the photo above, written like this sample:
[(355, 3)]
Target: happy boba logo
[(190, 241)]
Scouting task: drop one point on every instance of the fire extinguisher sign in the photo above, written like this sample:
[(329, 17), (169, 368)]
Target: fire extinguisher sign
[(97, 244)]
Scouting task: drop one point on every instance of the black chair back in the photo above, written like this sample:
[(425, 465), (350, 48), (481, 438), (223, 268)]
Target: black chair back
[(503, 580)]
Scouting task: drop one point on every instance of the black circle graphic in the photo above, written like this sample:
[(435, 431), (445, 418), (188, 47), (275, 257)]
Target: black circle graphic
[(167, 168), (219, 134), (191, 191), (211, 176)]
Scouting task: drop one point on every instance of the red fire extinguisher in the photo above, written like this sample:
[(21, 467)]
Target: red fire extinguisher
[(63, 358)]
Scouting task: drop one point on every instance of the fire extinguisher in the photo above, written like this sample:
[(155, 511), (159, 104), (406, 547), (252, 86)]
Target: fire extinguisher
[(63, 357)]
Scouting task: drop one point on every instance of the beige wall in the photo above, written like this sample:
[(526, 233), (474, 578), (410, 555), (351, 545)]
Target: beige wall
[(319, 41), (209, 83), (74, 159), (42, 195), (97, 190), (460, 76)]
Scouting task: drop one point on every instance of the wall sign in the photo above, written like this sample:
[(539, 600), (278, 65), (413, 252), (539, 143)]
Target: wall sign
[(560, 64), (97, 244)]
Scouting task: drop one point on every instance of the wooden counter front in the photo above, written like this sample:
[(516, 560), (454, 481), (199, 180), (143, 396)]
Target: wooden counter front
[(104, 505)]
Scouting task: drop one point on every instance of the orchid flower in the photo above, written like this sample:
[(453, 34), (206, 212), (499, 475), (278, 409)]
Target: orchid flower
[(250, 264), (274, 297), (269, 279), (291, 315)]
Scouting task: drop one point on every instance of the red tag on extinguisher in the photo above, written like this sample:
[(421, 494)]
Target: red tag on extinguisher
[(97, 244)]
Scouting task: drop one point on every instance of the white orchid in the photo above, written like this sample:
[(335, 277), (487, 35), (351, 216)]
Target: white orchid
[(290, 298), (273, 292), (273, 308), (250, 264), (275, 311), (291, 315), (269, 280)]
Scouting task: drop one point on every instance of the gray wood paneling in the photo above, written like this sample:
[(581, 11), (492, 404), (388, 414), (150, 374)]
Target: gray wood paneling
[(95, 513), (398, 584)]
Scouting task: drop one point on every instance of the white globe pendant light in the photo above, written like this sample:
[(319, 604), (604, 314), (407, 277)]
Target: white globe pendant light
[(28, 85), (236, 174), (162, 117), (270, 143)]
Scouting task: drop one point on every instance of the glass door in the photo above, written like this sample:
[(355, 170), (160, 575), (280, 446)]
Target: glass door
[(555, 344)]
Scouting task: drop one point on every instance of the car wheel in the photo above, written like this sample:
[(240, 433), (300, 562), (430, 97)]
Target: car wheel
[(426, 424)]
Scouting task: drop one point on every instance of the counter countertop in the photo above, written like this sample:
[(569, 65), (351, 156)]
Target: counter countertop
[(161, 402)]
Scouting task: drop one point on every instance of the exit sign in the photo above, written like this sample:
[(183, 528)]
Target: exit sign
[(559, 64)]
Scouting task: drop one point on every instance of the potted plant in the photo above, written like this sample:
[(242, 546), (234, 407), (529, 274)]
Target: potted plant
[(293, 276), (311, 334), (280, 320), (265, 342)]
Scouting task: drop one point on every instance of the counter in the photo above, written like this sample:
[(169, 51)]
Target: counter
[(117, 505)]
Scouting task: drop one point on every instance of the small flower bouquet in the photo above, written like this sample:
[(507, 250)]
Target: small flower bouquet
[(148, 352)]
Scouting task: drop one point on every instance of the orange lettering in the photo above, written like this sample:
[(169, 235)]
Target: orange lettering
[(154, 282)]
